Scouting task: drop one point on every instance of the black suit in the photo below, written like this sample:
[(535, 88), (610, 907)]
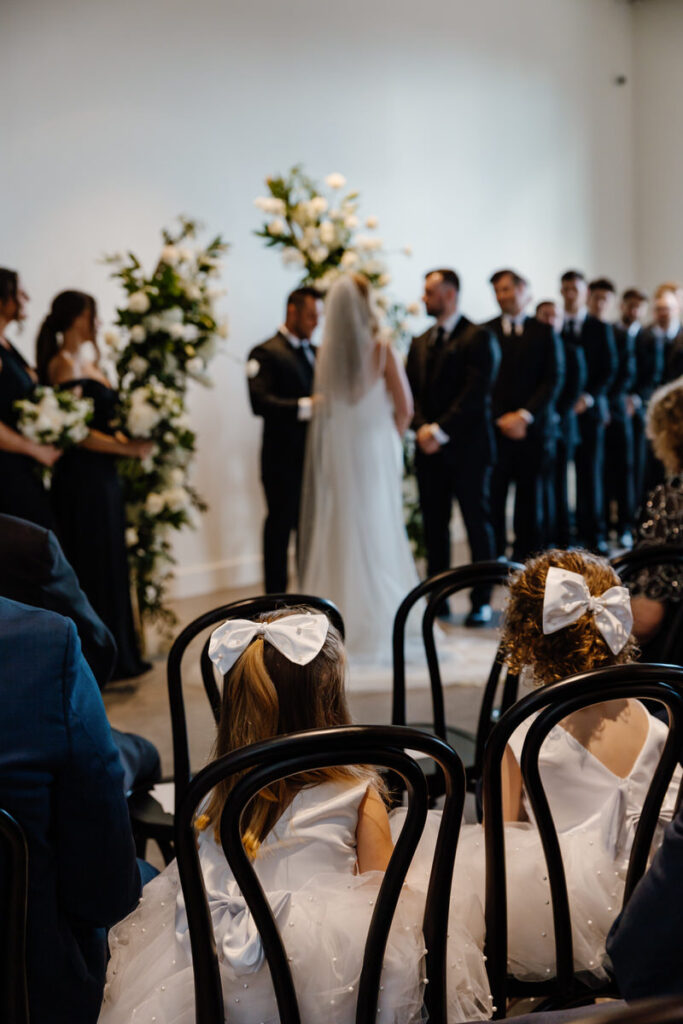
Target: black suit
[(558, 530), (597, 341), (530, 377), (650, 369), (283, 376), (451, 386), (34, 571), (673, 357), (619, 458)]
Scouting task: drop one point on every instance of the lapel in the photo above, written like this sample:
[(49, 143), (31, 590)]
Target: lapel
[(298, 361)]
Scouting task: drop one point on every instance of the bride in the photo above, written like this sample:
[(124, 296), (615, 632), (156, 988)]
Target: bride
[(353, 547)]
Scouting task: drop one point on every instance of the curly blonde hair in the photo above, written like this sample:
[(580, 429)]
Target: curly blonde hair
[(664, 424), (576, 648)]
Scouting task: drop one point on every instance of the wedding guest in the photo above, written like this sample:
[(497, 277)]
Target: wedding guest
[(86, 489), (34, 571), (280, 375), (62, 781), (658, 590), (645, 941), (21, 491), (632, 314), (529, 379), (548, 312), (585, 305), (451, 369)]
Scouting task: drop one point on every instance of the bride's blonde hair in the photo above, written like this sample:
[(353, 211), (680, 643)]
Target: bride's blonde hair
[(266, 695)]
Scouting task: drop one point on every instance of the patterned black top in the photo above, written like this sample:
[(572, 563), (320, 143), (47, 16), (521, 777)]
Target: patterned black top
[(662, 523)]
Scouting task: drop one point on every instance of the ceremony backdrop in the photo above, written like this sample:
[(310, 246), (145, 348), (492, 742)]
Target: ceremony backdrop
[(482, 134)]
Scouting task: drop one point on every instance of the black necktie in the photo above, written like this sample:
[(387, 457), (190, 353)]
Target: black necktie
[(569, 332), (306, 350), (435, 348)]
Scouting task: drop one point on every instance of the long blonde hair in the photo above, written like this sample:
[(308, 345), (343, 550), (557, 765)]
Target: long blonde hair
[(266, 695)]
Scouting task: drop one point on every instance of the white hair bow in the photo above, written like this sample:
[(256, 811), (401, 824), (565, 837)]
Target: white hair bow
[(567, 597), (298, 637)]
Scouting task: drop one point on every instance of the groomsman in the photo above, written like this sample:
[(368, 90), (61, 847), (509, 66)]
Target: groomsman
[(451, 368), (620, 456), (667, 325), (280, 375), (531, 375), (585, 306)]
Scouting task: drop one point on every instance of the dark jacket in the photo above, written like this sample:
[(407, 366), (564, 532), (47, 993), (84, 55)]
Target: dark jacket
[(34, 570), (573, 387), (673, 357), (283, 376), (61, 778), (530, 376), (597, 341), (453, 389), (624, 379), (650, 365)]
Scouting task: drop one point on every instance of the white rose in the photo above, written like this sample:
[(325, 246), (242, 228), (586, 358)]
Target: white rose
[(138, 302), (407, 250), (381, 300), (176, 331), (413, 308), (368, 243), (150, 593), (269, 204), (327, 232), (185, 254), (170, 255), (319, 254), (384, 280), (318, 205), (138, 366), (142, 415), (131, 537), (172, 315), (154, 504), (177, 476), (371, 222), (291, 257), (138, 333), (303, 213), (176, 498), (253, 368), (327, 280), (335, 180), (195, 365), (154, 323), (114, 340), (190, 332), (349, 259), (169, 437), (277, 227), (351, 221)]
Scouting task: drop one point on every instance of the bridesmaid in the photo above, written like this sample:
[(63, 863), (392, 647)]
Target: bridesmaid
[(21, 492), (86, 491)]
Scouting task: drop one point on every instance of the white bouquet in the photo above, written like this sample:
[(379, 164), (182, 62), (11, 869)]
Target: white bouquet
[(59, 418)]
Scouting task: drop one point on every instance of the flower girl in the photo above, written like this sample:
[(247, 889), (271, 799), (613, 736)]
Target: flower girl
[(319, 842)]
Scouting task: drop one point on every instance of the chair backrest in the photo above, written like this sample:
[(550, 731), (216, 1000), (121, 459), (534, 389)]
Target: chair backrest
[(669, 648), (437, 588), (663, 683), (244, 609), (382, 746), (13, 901)]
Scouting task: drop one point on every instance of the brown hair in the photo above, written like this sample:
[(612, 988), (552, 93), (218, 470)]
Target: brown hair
[(664, 425), (576, 648), (266, 695)]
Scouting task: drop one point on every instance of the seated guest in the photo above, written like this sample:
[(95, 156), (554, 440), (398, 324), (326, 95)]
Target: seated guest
[(646, 939), (33, 570), (61, 778), (658, 589)]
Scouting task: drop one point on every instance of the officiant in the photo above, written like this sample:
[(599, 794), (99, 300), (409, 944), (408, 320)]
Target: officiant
[(280, 376)]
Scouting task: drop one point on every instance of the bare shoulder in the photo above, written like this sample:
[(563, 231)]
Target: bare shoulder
[(61, 368)]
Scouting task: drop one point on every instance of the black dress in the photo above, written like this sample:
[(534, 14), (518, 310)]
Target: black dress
[(21, 488), (88, 506)]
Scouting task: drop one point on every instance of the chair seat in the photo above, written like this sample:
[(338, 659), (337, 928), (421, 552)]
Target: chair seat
[(149, 820), (463, 742)]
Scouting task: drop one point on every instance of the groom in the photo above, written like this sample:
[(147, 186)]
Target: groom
[(280, 375), (451, 369)]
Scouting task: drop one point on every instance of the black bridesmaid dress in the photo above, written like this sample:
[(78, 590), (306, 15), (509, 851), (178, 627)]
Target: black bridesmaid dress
[(21, 487), (88, 505)]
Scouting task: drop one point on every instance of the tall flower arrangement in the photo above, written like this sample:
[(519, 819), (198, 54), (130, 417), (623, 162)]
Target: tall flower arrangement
[(320, 233), (168, 331)]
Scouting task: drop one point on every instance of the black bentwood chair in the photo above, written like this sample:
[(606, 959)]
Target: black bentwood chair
[(13, 900), (667, 646), (661, 683), (148, 818), (264, 763), (437, 588)]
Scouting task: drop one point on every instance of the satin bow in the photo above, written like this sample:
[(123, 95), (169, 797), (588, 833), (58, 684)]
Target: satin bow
[(299, 638), (567, 598)]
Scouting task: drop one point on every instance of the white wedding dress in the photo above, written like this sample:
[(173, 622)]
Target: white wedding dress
[(307, 868), (353, 547), (595, 813)]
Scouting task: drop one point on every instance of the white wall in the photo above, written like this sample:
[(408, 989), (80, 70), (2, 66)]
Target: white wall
[(658, 112), (482, 133)]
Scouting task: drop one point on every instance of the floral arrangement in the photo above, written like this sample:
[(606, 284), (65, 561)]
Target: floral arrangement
[(168, 331), (59, 418), (317, 231)]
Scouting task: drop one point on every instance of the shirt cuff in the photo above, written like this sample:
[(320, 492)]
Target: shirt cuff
[(305, 409), (438, 434), (589, 400), (527, 416)]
